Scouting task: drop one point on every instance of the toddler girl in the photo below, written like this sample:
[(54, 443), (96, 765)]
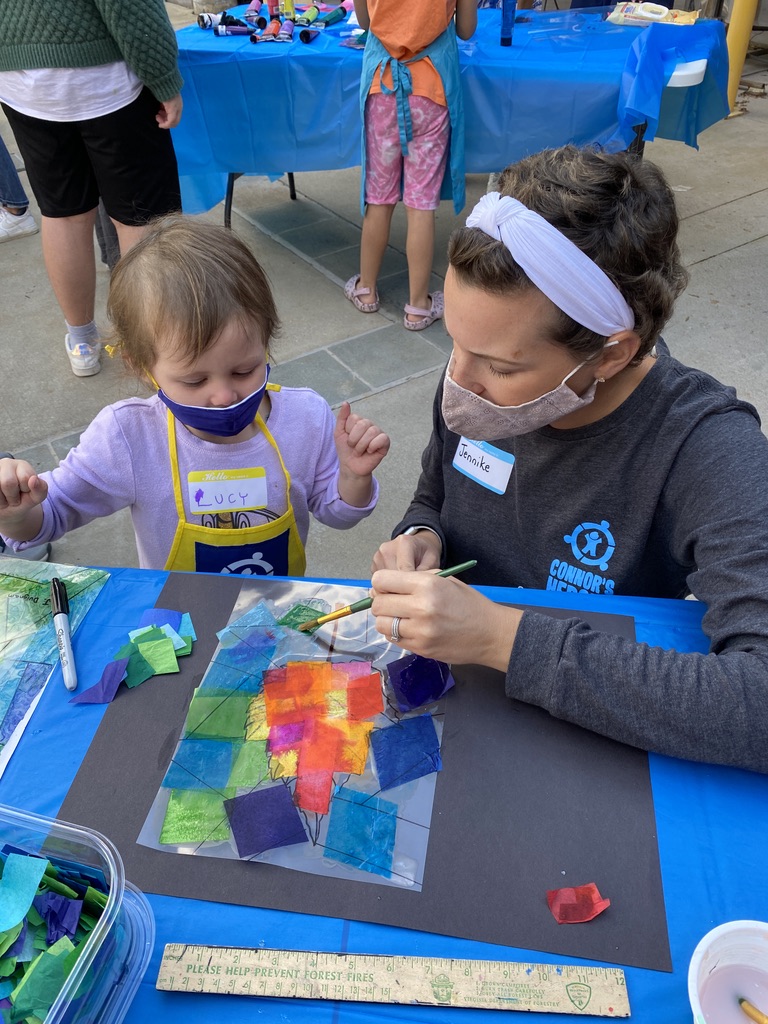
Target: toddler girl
[(220, 468)]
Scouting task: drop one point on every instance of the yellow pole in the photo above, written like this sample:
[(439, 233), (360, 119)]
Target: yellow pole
[(739, 31)]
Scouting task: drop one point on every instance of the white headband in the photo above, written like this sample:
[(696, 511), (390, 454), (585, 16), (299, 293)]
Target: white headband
[(557, 267)]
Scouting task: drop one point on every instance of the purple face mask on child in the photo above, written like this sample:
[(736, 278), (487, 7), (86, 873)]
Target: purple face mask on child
[(221, 422)]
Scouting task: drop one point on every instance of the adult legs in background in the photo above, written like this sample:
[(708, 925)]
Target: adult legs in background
[(15, 219), (106, 236), (113, 237), (123, 157), (65, 188), (128, 234), (70, 261)]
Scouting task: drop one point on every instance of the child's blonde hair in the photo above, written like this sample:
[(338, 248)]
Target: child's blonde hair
[(181, 284)]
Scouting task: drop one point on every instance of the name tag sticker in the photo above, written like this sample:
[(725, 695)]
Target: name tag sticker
[(484, 464), (227, 490)]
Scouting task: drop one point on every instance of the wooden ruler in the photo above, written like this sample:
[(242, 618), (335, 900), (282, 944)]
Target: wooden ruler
[(430, 981)]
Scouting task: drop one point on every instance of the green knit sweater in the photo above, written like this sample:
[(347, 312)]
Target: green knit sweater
[(87, 33)]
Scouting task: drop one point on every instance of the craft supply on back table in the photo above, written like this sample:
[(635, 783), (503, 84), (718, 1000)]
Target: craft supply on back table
[(310, 15), (507, 21), (430, 981), (270, 33), (208, 20), (234, 30), (330, 18), (256, 14)]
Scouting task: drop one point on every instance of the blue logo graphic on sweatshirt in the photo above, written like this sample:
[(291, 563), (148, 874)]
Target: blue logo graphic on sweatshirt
[(592, 545)]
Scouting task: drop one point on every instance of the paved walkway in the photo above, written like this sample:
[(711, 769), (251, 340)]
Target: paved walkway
[(311, 246)]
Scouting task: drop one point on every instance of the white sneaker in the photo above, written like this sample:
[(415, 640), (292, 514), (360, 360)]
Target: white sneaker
[(13, 226), (84, 357)]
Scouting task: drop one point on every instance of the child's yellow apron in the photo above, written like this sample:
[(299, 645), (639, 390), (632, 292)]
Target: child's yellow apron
[(271, 549)]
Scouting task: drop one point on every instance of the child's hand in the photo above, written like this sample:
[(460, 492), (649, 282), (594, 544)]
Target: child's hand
[(361, 446), (21, 491)]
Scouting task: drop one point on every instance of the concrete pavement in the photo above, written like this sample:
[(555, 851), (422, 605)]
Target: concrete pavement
[(310, 247)]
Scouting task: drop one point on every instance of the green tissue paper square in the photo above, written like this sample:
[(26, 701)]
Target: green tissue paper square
[(251, 766), (161, 656), (138, 669), (195, 816), (220, 717)]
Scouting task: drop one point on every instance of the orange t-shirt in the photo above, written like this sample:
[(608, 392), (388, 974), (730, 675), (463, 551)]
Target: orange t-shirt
[(405, 28)]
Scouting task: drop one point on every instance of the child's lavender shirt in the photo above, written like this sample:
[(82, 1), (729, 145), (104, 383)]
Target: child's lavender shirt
[(123, 461)]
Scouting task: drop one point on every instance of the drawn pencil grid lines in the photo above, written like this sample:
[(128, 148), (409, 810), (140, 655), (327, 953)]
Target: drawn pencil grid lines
[(334, 707)]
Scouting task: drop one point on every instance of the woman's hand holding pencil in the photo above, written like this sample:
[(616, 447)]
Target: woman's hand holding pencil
[(443, 618), (366, 602)]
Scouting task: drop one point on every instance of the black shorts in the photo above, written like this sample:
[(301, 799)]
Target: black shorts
[(124, 157)]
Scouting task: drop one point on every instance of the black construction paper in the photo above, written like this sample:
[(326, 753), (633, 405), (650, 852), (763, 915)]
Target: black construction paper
[(524, 803)]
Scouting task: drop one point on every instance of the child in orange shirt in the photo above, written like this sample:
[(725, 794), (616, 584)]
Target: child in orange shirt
[(413, 116)]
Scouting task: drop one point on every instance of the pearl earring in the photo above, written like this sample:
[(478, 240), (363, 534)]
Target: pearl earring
[(600, 380)]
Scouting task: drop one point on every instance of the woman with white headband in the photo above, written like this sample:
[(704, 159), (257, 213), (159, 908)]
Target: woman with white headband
[(570, 451)]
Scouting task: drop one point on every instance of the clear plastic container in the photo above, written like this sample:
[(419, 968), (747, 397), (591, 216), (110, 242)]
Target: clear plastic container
[(107, 974)]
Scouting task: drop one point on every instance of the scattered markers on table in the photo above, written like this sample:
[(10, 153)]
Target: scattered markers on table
[(152, 649), (283, 748)]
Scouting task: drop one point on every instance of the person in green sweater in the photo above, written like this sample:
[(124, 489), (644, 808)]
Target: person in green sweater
[(90, 89)]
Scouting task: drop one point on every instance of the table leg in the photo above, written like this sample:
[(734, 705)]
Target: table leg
[(232, 178), (637, 145)]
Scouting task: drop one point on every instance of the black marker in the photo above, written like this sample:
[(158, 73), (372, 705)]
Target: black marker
[(60, 612)]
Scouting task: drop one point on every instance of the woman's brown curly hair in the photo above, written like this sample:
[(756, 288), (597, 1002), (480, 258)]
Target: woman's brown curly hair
[(617, 209)]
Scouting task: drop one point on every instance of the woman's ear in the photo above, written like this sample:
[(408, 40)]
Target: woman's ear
[(619, 351)]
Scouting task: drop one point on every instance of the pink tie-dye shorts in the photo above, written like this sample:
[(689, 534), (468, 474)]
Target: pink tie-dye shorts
[(422, 170)]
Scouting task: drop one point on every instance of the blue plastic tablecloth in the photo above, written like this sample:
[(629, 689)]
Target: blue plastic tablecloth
[(569, 76), (712, 830)]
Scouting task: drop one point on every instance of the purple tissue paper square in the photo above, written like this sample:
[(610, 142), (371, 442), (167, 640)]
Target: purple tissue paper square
[(264, 820), (104, 691), (417, 681), (61, 915), (161, 617)]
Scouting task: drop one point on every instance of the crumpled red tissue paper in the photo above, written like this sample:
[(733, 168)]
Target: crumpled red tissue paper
[(577, 904)]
